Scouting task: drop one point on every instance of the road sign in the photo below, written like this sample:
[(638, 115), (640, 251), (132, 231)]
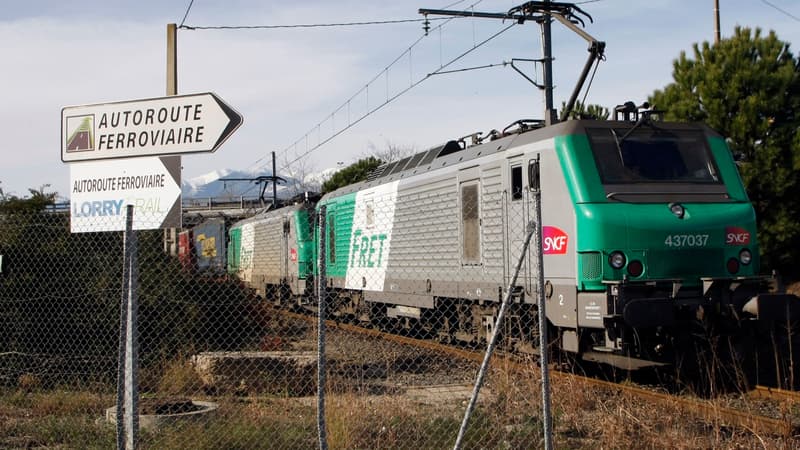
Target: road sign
[(100, 191), (176, 124)]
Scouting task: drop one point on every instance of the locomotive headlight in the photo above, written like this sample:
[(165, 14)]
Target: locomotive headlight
[(745, 257), (617, 260), (677, 209)]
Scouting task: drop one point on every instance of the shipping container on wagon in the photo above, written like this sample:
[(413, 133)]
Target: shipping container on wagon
[(186, 253), (209, 245)]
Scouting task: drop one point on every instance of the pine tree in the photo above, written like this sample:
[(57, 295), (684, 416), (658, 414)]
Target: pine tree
[(358, 171), (747, 88)]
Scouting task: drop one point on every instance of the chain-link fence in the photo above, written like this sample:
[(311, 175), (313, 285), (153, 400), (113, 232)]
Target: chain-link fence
[(228, 342), (228, 349)]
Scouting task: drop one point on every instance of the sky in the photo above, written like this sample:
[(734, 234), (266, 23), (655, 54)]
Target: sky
[(298, 87)]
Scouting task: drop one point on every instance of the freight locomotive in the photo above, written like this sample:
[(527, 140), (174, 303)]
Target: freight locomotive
[(649, 240), (648, 237)]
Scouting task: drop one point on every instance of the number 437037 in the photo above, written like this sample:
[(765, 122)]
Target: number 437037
[(686, 240)]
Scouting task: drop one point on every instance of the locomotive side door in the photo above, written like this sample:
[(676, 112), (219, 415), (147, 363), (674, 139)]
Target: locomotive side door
[(285, 237), (517, 202)]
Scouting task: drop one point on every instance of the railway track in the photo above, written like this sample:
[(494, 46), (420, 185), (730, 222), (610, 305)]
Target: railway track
[(705, 410), (780, 395)]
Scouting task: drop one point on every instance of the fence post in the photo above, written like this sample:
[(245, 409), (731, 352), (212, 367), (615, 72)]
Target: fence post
[(493, 341), (321, 292), (128, 361), (544, 358)]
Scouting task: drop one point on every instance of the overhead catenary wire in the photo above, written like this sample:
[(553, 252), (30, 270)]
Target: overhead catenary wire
[(786, 13), (311, 25), (316, 25), (365, 91), (467, 69), (189, 8), (303, 25), (408, 51), (389, 100)]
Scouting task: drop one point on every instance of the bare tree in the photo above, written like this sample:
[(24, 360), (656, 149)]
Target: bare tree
[(390, 152), (301, 173)]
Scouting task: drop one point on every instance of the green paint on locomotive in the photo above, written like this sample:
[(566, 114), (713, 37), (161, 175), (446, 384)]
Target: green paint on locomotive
[(234, 250), (305, 243), (358, 236), (241, 248), (698, 245), (338, 225), (242, 244)]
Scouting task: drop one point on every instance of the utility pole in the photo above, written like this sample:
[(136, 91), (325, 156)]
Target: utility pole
[(171, 234), (543, 12), (274, 184), (547, 54), (716, 21), (172, 59)]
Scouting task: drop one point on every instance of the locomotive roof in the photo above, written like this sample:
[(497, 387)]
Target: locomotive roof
[(273, 213), (451, 153)]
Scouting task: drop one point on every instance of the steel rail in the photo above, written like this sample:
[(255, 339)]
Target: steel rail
[(703, 409), (772, 393)]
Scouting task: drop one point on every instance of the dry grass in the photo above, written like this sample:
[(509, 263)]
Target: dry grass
[(179, 378), (508, 416), (584, 417)]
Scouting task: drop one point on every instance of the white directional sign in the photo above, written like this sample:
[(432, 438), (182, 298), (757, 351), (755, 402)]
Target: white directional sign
[(159, 126), (100, 192)]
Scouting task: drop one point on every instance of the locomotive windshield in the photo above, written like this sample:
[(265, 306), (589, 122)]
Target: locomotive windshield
[(650, 155)]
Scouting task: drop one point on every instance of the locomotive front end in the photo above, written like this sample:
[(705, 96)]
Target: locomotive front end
[(666, 241)]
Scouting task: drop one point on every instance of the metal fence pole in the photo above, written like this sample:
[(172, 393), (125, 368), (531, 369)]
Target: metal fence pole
[(493, 341), (123, 328), (322, 434), (128, 361), (544, 359)]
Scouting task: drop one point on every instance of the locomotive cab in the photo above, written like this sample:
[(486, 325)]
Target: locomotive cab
[(665, 239)]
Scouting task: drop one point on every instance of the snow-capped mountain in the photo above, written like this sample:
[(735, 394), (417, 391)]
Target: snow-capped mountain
[(214, 185)]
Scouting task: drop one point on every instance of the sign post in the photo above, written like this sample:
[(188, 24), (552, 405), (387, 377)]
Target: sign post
[(133, 138)]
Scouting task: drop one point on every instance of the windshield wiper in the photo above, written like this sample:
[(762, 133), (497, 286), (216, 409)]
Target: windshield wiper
[(642, 120)]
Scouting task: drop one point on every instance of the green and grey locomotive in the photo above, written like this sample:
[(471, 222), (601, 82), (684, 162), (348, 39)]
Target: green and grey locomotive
[(647, 237)]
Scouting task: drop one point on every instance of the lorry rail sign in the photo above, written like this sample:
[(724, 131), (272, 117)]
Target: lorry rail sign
[(100, 190)]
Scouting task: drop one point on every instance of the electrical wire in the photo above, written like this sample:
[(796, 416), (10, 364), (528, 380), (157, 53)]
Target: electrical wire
[(591, 79), (328, 139), (187, 13), (304, 25), (781, 10), (365, 88), (467, 69)]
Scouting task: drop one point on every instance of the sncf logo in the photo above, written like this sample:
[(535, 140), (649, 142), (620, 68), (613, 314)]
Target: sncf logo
[(736, 236), (554, 241)]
